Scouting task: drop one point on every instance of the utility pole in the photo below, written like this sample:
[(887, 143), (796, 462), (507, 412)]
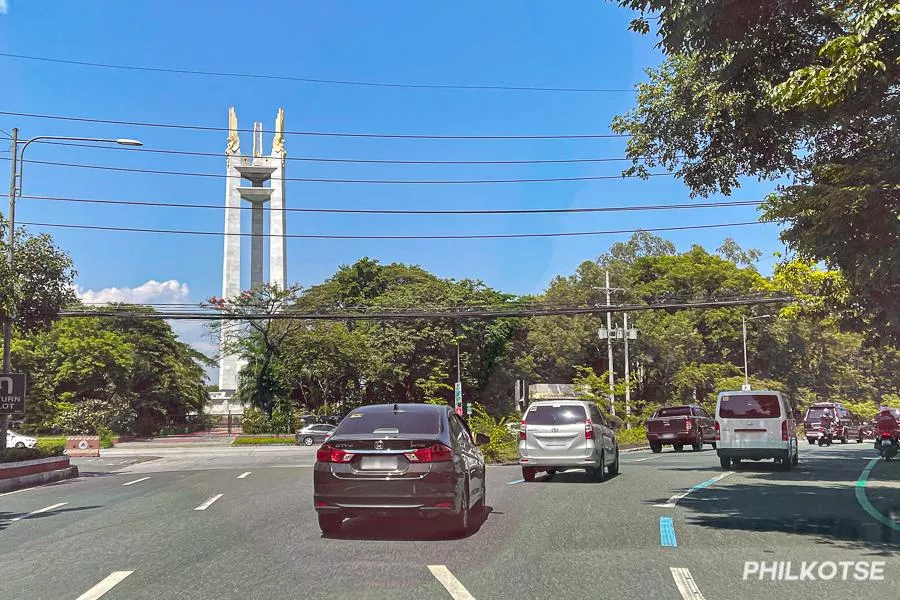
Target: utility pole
[(609, 352), (746, 372), (627, 379), (10, 239)]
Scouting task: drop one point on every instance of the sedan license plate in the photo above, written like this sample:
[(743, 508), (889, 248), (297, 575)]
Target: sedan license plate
[(668, 436), (378, 463)]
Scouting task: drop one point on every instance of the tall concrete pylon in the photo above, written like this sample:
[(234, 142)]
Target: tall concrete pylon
[(257, 169)]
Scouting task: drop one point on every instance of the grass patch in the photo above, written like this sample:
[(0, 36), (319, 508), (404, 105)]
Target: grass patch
[(246, 440), (40, 450)]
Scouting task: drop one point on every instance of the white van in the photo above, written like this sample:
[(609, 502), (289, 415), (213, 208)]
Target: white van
[(755, 425)]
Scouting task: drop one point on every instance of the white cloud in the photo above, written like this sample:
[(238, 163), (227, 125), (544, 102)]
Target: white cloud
[(152, 292), (4, 7), (194, 333)]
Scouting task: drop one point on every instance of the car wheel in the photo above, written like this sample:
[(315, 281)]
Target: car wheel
[(551, 473), (599, 472), (725, 462), (459, 523), (714, 445), (330, 523), (308, 441), (697, 446), (796, 460), (614, 468), (843, 440), (678, 447), (811, 440), (20, 445), (655, 447), (528, 473), (821, 442), (786, 463)]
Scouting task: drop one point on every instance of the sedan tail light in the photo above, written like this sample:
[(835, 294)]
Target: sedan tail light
[(718, 431), (433, 453), (588, 430), (328, 454), (522, 431)]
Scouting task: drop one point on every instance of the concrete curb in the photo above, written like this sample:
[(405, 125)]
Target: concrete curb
[(25, 481)]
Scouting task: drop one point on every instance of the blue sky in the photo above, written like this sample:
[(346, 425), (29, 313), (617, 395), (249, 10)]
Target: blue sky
[(584, 44)]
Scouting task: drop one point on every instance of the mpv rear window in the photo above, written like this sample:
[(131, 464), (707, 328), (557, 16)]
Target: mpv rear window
[(816, 412), (750, 406), (681, 411), (546, 414), (390, 423)]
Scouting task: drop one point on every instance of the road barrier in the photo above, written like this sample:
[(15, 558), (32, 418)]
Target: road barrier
[(86, 445)]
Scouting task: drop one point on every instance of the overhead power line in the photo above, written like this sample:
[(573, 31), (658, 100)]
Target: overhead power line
[(323, 133), (377, 161), (297, 78), (381, 315), (384, 211), (332, 180), (394, 237)]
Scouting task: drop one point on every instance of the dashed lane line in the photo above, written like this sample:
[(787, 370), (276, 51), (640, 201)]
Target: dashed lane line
[(37, 512), (686, 584), (456, 590), (244, 475), (136, 481), (671, 502), (209, 502), (515, 482), (111, 581)]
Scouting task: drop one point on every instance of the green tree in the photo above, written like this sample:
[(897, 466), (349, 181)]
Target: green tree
[(798, 90)]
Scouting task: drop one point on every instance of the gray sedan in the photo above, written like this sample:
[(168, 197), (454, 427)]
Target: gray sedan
[(313, 434)]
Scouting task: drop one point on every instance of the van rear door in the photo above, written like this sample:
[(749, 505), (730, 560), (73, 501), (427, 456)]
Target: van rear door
[(555, 430), (750, 419)]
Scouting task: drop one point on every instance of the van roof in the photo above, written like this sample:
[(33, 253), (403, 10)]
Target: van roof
[(729, 392), (560, 401)]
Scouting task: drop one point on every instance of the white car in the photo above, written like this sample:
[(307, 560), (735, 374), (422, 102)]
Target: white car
[(753, 426), (15, 440)]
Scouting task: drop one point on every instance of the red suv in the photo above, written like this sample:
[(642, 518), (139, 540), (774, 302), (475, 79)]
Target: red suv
[(851, 427), (680, 425)]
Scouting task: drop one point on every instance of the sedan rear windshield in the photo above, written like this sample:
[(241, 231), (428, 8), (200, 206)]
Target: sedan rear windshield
[(404, 422), (750, 406), (547, 414), (680, 411)]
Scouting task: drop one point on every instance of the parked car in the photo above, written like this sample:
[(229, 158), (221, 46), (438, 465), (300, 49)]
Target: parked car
[(679, 425), (851, 426), (400, 459), (562, 434), (16, 440), (314, 434), (755, 425)]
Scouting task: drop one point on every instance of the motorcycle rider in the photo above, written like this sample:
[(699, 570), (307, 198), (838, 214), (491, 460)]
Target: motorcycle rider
[(887, 422), (827, 420)]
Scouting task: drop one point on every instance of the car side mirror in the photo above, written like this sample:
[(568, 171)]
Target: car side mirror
[(481, 439)]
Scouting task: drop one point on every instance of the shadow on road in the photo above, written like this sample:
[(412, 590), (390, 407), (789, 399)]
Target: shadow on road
[(571, 476), (6, 518), (405, 529)]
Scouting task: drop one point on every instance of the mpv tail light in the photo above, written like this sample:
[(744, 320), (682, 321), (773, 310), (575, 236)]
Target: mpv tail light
[(784, 431), (718, 431), (588, 430), (522, 430), (433, 453), (329, 454)]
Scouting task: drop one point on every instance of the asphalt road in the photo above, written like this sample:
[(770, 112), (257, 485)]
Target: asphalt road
[(132, 526)]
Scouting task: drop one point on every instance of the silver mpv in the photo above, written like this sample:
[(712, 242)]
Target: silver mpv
[(565, 434)]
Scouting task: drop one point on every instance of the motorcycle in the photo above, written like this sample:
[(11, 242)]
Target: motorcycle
[(826, 436), (887, 444)]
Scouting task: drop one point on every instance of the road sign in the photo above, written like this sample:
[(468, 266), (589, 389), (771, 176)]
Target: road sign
[(457, 398), (469, 409), (12, 394)]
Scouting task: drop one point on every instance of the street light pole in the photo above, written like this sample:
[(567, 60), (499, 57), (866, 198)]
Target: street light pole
[(609, 350), (746, 372), (627, 378), (15, 186)]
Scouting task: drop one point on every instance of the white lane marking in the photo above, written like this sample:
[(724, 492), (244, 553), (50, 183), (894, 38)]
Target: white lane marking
[(37, 512), (450, 583), (209, 502), (104, 586), (243, 475), (515, 482), (671, 502), (645, 458), (136, 481), (686, 584)]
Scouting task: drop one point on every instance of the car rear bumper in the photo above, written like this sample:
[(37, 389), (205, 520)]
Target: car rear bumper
[(753, 453), (436, 492), (559, 461), (680, 437)]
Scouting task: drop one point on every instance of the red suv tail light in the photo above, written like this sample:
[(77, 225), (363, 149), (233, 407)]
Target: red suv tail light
[(522, 431), (327, 453), (784, 431), (688, 423), (588, 430), (433, 453), (718, 431)]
